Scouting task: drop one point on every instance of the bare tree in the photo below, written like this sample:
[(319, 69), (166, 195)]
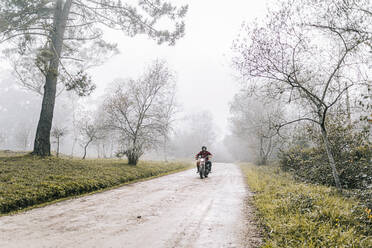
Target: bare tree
[(202, 128), (196, 130), (294, 58), (169, 113), (253, 123), (58, 133), (75, 131), (138, 110), (53, 32), (357, 15), (89, 132), (237, 149), (101, 143), (22, 136)]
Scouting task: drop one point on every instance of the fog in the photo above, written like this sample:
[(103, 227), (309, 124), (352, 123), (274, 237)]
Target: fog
[(208, 88), (200, 60)]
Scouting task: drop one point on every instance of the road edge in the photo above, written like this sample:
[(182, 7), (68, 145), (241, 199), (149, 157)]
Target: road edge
[(45, 204), (252, 223)]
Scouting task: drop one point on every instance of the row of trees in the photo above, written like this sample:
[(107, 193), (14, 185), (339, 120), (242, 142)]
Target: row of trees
[(197, 129), (313, 58), (136, 115), (253, 128), (110, 134), (82, 128), (52, 44)]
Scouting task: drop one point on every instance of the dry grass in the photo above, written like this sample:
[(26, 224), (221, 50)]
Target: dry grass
[(296, 214)]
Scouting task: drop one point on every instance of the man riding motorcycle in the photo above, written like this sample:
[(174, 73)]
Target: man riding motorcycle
[(204, 154)]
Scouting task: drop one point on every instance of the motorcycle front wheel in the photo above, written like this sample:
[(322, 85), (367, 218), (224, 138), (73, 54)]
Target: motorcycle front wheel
[(202, 171)]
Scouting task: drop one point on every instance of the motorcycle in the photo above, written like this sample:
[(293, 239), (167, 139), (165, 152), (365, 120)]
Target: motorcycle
[(204, 167)]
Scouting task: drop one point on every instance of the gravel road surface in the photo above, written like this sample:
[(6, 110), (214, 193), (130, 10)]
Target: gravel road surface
[(178, 210)]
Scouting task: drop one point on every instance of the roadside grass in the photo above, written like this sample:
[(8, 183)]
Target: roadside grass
[(295, 214), (26, 180)]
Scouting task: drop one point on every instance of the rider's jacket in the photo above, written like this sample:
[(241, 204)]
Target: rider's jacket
[(204, 154)]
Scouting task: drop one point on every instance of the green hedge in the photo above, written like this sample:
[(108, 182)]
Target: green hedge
[(295, 214), (27, 180)]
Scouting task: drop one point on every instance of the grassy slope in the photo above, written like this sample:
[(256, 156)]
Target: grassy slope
[(295, 214), (26, 180)]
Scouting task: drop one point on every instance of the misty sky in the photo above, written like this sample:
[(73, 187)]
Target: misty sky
[(201, 59)]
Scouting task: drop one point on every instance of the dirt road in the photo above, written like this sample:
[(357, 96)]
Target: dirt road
[(178, 210)]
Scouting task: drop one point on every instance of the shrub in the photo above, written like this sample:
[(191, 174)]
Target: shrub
[(311, 164), (352, 152)]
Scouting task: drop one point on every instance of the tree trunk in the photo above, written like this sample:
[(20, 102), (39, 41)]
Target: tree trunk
[(330, 158), (86, 147), (348, 105), (262, 159), (268, 152), (165, 149), (57, 147), (42, 138), (73, 147), (74, 128), (104, 150), (98, 150), (85, 150), (133, 156), (111, 149), (132, 160)]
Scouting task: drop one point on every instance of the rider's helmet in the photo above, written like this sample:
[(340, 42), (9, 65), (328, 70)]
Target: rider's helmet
[(204, 148)]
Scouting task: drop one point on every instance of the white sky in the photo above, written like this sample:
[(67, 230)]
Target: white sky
[(201, 59)]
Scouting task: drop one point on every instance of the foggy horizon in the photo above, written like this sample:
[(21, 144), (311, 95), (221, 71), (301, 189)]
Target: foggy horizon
[(201, 61)]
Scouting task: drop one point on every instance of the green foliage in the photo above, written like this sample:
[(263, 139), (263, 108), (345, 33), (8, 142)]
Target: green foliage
[(15, 14), (81, 84), (27, 180), (311, 164), (296, 214), (343, 137), (352, 152)]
